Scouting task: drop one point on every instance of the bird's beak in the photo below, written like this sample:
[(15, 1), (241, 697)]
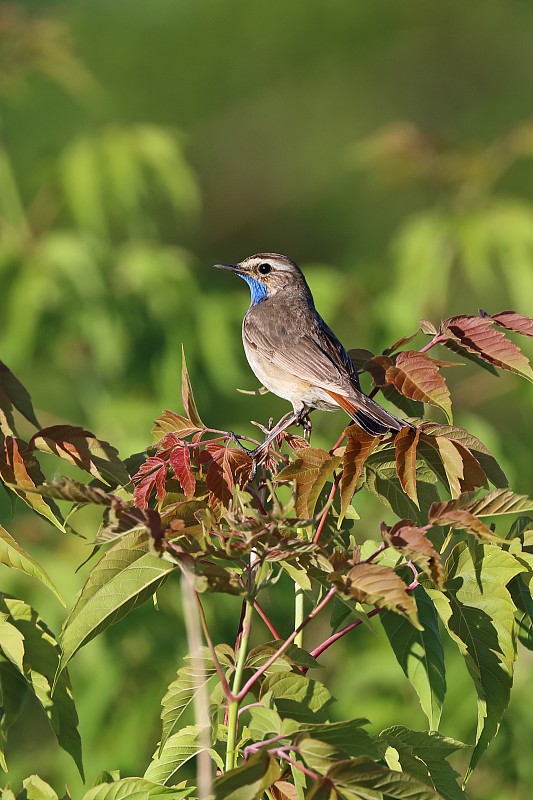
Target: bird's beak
[(230, 267)]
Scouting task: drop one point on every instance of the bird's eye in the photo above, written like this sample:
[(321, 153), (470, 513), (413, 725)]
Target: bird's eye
[(264, 269)]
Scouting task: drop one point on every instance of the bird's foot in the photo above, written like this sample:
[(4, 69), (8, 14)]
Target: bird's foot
[(305, 421)]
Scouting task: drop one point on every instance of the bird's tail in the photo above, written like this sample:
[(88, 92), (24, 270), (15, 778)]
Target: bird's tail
[(369, 415)]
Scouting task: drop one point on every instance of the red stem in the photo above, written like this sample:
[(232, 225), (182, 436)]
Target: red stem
[(336, 636), (437, 339), (286, 644), (225, 685), (268, 622)]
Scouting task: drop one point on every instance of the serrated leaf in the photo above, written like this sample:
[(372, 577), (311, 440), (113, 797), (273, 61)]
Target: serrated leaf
[(310, 470), (405, 444), (500, 501), (40, 664), (292, 657), (348, 736), (417, 376), (23, 475), (17, 394), (180, 461), (477, 335), (478, 613), (359, 445), (171, 422), (365, 779), (84, 450), (420, 654), (427, 327), (126, 576), (514, 322), (34, 788), (455, 347), (249, 781), (187, 396), (413, 543), (296, 696), (423, 754), (178, 749), (14, 556), (459, 518), (379, 585), (488, 463), (137, 789), (74, 491)]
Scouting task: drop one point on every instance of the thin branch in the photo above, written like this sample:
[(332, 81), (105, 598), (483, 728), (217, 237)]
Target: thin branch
[(225, 685), (336, 636), (268, 622), (336, 480), (437, 339), (310, 774), (287, 643)]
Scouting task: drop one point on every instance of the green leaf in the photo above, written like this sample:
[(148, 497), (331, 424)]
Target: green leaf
[(178, 749), (171, 422), (365, 779), (347, 736), (381, 479), (13, 690), (296, 696), (34, 788), (40, 665), (126, 576), (420, 654), (478, 613), (249, 781), (485, 458), (181, 692), (11, 641), (413, 543), (500, 501), (187, 396), (136, 789), (310, 470), (12, 555), (17, 394), (293, 656), (84, 450), (423, 755)]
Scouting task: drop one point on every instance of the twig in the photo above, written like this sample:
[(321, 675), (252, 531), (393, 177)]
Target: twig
[(336, 636), (336, 480), (220, 672), (286, 644), (268, 622), (437, 339)]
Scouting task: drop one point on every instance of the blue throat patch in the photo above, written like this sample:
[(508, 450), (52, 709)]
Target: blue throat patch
[(258, 290)]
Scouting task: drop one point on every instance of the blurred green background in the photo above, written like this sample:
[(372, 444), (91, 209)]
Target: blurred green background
[(387, 147)]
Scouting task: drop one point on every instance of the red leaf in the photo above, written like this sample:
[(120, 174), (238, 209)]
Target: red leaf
[(150, 474), (405, 444), (477, 335), (514, 322), (180, 461), (219, 477), (359, 445), (417, 376)]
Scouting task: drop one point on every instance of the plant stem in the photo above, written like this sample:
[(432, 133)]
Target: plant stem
[(299, 598), (233, 706), (266, 619), (437, 339)]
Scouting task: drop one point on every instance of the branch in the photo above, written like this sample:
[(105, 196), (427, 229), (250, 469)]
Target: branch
[(268, 622)]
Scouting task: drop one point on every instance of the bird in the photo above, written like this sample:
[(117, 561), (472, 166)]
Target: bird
[(295, 354)]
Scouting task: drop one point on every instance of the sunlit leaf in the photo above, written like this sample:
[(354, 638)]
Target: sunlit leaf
[(310, 470), (478, 613), (171, 422), (417, 376), (296, 696), (178, 749), (420, 654), (454, 514), (476, 447), (187, 396), (477, 335), (137, 789), (514, 322), (34, 788), (84, 450), (359, 445), (126, 576), (379, 585), (413, 543), (500, 501), (405, 444), (151, 474), (23, 475), (13, 555), (180, 461)]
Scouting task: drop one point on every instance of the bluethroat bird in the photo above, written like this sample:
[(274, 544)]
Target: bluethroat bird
[(295, 354)]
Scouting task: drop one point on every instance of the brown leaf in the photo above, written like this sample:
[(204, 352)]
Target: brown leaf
[(405, 445), (283, 790), (427, 327), (514, 322), (454, 513), (377, 366), (7, 421), (412, 542), (23, 475), (171, 422), (475, 446), (379, 585), (228, 466), (311, 470), (399, 342), (477, 335), (417, 376), (187, 396), (359, 445), (82, 448), (500, 501), (474, 476), (180, 461)]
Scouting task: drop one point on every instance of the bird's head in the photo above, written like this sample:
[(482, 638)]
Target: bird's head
[(268, 274)]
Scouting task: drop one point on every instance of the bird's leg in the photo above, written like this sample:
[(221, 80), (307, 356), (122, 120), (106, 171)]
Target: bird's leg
[(285, 422), (305, 421)]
